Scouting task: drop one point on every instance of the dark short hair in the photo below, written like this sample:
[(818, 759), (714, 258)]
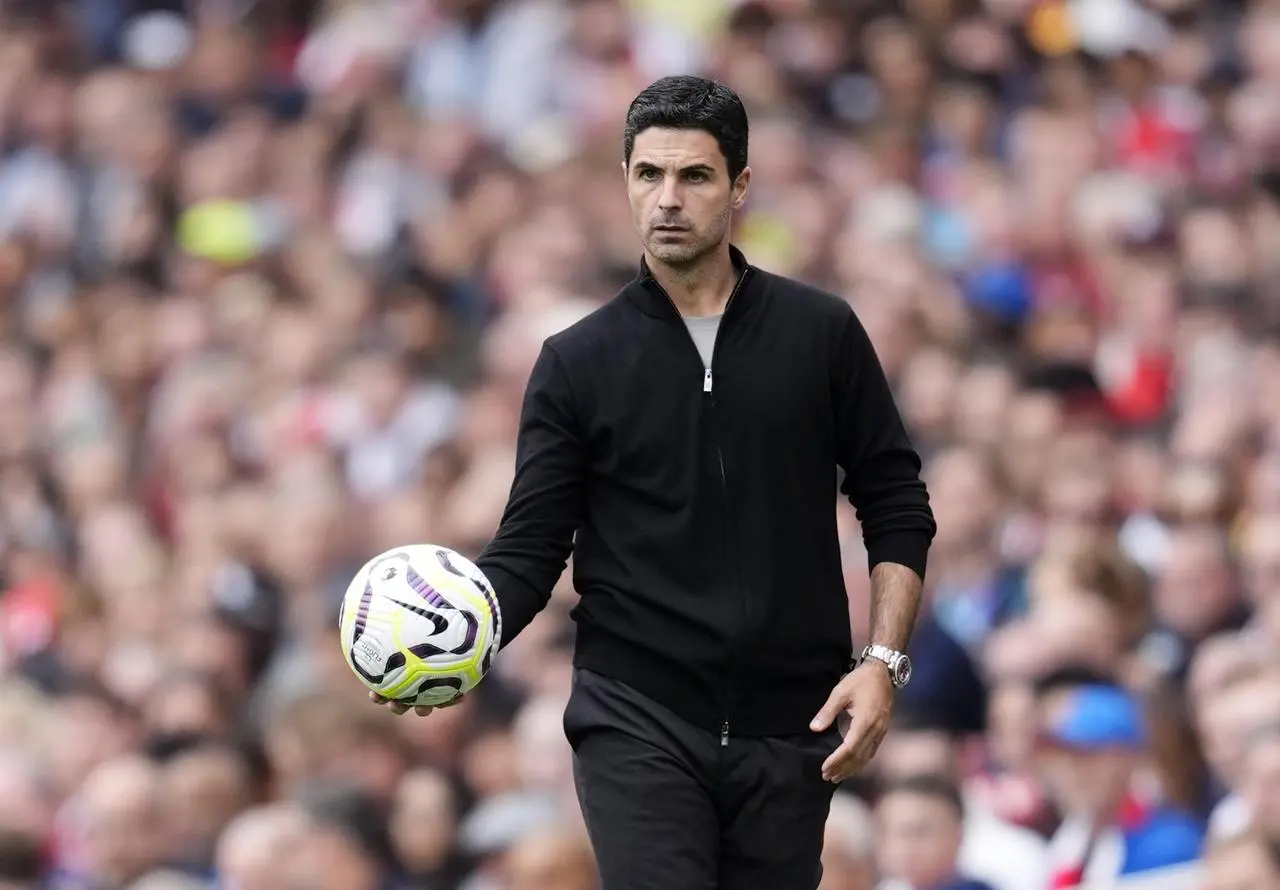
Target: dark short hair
[(919, 719), (344, 807), (691, 103), (21, 858), (931, 785)]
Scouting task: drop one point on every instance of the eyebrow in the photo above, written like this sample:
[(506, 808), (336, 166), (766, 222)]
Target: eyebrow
[(644, 166)]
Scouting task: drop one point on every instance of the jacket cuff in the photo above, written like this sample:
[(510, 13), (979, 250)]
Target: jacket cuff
[(517, 600), (906, 548)]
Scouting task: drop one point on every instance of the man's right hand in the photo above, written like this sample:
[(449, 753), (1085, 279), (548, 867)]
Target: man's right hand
[(399, 708)]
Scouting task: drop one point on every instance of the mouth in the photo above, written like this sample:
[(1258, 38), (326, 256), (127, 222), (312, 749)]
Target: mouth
[(670, 228)]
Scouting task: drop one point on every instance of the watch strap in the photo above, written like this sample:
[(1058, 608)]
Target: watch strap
[(882, 653), (897, 663)]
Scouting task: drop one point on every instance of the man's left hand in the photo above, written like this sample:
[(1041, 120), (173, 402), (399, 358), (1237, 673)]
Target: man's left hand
[(866, 695)]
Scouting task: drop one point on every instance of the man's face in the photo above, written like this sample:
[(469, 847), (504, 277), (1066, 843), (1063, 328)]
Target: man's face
[(964, 497), (918, 838), (1087, 783), (422, 821), (916, 752), (681, 196), (1193, 593), (201, 792), (1225, 721), (122, 829)]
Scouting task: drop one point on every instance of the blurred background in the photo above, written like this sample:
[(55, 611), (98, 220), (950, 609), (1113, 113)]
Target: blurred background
[(272, 278)]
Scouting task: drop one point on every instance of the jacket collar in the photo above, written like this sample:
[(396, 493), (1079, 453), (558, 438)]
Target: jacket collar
[(649, 296)]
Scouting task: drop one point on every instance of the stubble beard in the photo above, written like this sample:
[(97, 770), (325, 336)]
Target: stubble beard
[(678, 256), (687, 254)]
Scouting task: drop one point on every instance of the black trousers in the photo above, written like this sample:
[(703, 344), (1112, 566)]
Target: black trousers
[(669, 807)]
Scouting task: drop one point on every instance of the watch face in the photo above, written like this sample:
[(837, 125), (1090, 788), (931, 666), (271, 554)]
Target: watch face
[(902, 671)]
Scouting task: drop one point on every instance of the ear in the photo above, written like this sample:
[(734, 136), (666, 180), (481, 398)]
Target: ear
[(624, 171), (740, 187)]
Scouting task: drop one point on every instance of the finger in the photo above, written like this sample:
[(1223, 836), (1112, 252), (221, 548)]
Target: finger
[(864, 751), (834, 765), (836, 702), (845, 759), (422, 710), (396, 707), (852, 764), (377, 699)]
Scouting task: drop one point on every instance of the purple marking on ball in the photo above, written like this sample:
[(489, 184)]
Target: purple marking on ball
[(362, 613), (433, 596), (425, 590), (494, 615)]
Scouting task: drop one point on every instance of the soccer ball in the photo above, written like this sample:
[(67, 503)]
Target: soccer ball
[(419, 625)]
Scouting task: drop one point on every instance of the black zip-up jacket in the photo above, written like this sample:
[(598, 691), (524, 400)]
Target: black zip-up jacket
[(704, 502)]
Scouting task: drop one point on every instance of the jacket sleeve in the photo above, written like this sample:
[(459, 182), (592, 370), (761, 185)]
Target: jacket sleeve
[(528, 554), (881, 466)]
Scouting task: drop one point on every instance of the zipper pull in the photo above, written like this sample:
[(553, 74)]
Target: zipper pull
[(706, 381), (724, 727)]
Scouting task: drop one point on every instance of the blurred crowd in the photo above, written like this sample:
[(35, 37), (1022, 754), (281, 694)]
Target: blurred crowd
[(272, 277)]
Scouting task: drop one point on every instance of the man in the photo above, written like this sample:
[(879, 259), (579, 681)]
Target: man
[(1256, 804), (347, 845), (1006, 856), (1094, 741), (255, 849), (119, 828), (848, 847), (920, 827), (684, 442), (554, 857)]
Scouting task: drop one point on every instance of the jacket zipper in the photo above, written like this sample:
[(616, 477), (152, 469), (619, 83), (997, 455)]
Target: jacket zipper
[(724, 490), (708, 378)]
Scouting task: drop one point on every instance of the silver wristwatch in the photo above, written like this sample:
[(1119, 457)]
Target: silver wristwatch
[(898, 663)]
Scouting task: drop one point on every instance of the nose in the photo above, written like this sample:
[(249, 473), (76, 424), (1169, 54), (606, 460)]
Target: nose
[(669, 199)]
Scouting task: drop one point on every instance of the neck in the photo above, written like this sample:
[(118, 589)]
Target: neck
[(700, 289)]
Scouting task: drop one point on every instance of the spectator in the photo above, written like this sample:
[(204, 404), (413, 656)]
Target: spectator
[(1227, 717), (552, 859), (848, 861), (254, 851), (424, 829), (919, 831), (1096, 738), (202, 789), (345, 844), (1253, 806), (992, 850), (116, 826)]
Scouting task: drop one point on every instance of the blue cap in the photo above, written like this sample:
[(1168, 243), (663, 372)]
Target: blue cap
[(1001, 289), (1097, 717)]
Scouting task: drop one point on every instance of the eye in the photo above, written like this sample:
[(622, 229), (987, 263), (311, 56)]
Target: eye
[(696, 176), (649, 174)]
